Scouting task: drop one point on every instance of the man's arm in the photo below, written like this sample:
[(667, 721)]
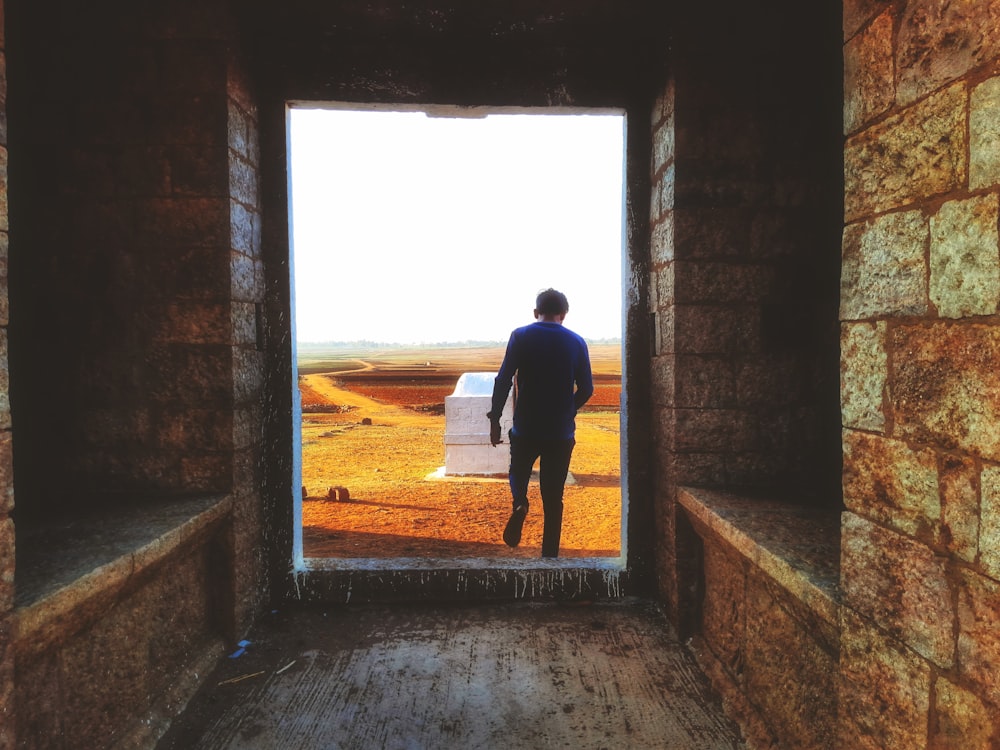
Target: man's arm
[(501, 389), (584, 380)]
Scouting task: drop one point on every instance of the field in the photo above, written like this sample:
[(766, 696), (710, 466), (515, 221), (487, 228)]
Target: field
[(373, 423)]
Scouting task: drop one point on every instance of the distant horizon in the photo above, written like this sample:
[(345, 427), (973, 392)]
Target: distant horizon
[(466, 344)]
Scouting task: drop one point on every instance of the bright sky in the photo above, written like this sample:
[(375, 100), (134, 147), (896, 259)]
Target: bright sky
[(417, 229)]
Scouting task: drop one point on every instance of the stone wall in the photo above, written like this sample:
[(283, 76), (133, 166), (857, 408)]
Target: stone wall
[(136, 367), (122, 349), (920, 389), (745, 216), (7, 736)]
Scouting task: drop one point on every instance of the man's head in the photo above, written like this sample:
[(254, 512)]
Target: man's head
[(551, 305)]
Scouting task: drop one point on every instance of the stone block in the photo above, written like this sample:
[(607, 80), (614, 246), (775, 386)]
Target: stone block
[(662, 240), (241, 228), (884, 690), (714, 430), (199, 170), (984, 135), (963, 720), (40, 707), (704, 381), (705, 469), (907, 158), (248, 374), (192, 222), (965, 258), (104, 676), (989, 528), (5, 418), (711, 233), (664, 284), (207, 472), (978, 634), (192, 322), (467, 448), (863, 370), (716, 329), (857, 13), (901, 585), (941, 42), (889, 481), (193, 430), (945, 386), (960, 506), (243, 182), (723, 606), (246, 278), (884, 271), (789, 677), (6, 563), (243, 316), (6, 472), (8, 714), (768, 381), (869, 80), (663, 144), (720, 283)]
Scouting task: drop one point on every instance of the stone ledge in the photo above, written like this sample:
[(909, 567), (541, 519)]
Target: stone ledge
[(798, 547), (67, 573)]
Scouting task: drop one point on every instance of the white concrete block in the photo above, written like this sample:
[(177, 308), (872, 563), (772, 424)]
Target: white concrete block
[(467, 449)]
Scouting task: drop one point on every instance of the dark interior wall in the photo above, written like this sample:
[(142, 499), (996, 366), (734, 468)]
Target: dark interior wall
[(746, 263), (120, 337)]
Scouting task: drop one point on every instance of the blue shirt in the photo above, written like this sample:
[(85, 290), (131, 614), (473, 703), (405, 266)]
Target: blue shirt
[(553, 380)]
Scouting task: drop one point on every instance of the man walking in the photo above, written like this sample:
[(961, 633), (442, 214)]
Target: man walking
[(549, 366)]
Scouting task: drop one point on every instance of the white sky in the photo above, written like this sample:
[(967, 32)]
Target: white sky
[(416, 229)]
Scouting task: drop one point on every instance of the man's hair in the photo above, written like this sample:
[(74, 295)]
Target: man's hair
[(551, 302)]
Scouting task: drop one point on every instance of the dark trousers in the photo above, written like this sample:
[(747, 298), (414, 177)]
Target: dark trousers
[(553, 466)]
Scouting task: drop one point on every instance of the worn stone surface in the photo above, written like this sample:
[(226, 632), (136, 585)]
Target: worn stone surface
[(884, 690), (963, 720), (859, 12), (911, 156), (965, 258), (723, 608), (940, 42), (863, 367), (884, 272), (788, 675), (890, 482), (715, 329), (6, 563), (960, 505), (868, 74), (901, 585), (989, 528), (978, 635), (6, 472), (984, 134), (705, 382), (946, 386)]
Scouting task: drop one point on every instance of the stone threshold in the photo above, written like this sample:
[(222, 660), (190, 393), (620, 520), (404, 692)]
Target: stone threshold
[(68, 572), (345, 581), (797, 546)]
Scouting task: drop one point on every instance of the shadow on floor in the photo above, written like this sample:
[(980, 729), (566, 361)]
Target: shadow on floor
[(511, 675)]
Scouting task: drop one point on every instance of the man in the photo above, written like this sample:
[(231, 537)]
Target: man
[(551, 365)]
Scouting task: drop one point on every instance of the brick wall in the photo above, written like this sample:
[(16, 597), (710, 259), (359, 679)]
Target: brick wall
[(745, 216), (121, 337), (920, 387)]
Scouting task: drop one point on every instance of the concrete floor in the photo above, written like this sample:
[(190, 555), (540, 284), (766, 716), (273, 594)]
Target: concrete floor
[(511, 675)]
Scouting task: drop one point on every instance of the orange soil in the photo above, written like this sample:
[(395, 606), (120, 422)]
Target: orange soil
[(395, 510)]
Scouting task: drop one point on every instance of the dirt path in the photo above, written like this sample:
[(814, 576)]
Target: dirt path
[(383, 453)]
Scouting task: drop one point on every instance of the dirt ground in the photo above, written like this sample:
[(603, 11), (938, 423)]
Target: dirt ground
[(379, 432)]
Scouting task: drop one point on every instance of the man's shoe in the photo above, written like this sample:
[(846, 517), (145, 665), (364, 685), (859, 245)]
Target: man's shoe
[(512, 533)]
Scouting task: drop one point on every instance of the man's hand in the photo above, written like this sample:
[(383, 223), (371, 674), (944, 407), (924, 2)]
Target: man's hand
[(495, 433)]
